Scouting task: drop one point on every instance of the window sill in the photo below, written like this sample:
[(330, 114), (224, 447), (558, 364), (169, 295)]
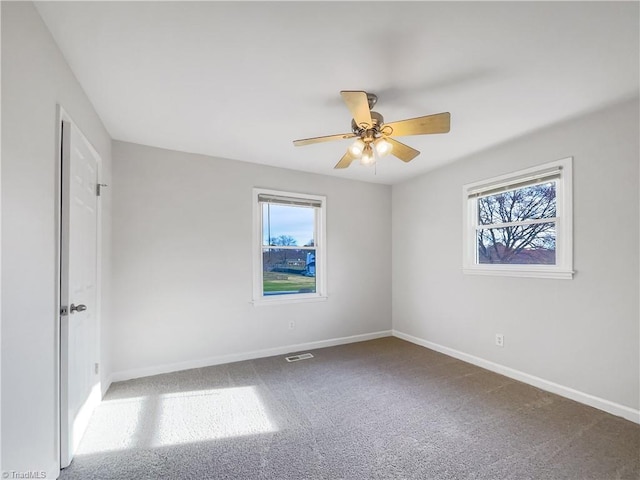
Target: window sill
[(520, 272), (281, 300)]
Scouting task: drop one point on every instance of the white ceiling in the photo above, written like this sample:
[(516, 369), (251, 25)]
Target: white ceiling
[(242, 80)]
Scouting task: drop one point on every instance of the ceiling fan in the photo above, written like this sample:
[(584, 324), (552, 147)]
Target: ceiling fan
[(373, 135)]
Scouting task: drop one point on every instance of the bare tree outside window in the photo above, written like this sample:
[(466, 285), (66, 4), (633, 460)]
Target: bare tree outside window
[(283, 240), (518, 226)]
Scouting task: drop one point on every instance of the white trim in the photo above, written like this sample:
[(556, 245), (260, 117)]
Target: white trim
[(535, 221), (567, 392), (530, 272), (57, 404), (52, 472), (320, 247), (563, 269), (1, 253), (104, 387), (290, 247), (239, 357), (299, 298)]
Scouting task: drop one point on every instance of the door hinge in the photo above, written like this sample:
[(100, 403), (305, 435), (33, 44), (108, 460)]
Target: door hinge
[(64, 311), (99, 187)]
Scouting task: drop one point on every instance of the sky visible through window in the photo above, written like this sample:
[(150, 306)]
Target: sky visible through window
[(285, 220)]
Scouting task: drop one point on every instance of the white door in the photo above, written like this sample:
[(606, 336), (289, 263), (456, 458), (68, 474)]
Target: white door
[(79, 349)]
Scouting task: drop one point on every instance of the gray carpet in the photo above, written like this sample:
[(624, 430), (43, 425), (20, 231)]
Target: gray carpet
[(383, 409)]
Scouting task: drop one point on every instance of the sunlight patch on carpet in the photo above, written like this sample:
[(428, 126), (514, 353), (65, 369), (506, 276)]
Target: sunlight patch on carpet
[(114, 426), (210, 414), (176, 418)]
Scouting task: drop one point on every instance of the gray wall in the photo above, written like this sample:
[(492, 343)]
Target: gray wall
[(182, 266), (580, 333), (35, 77)]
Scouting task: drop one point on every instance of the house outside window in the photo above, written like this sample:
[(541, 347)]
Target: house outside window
[(520, 224), (289, 247)]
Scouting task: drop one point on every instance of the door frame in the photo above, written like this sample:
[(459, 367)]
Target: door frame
[(63, 116)]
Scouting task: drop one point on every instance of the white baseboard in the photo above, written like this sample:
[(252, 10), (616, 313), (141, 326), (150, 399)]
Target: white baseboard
[(239, 357), (586, 398), (105, 386), (52, 472)]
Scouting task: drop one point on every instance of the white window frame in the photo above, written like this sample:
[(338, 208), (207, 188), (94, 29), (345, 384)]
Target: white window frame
[(563, 269), (320, 247)]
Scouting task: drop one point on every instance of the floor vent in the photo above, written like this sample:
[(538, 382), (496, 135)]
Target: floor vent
[(295, 358)]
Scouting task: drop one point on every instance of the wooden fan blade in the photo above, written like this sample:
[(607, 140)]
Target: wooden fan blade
[(345, 161), (328, 138), (438, 123), (358, 105), (402, 151)]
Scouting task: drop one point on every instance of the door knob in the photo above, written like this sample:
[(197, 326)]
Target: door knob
[(77, 308)]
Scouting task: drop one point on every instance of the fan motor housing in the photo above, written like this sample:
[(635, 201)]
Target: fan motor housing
[(377, 120)]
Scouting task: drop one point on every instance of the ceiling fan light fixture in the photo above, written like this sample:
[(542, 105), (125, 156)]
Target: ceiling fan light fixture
[(375, 138), (367, 156), (357, 148), (383, 147)]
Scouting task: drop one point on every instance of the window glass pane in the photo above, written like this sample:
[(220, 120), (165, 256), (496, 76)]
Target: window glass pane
[(287, 225), (533, 244), (532, 202), (288, 271)]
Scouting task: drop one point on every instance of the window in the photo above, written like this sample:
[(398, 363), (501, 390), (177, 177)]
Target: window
[(520, 224), (289, 247)]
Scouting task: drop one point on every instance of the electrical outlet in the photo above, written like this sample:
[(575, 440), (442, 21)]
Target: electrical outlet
[(292, 325), (96, 368), (499, 340)]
